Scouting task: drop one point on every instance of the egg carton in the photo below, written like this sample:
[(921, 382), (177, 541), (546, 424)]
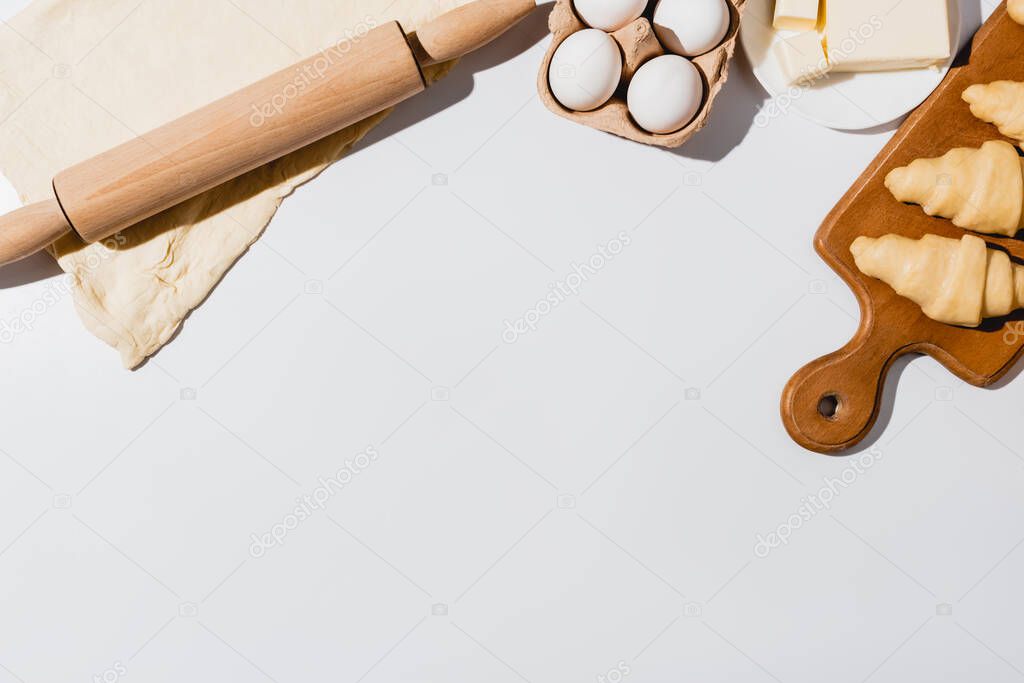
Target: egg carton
[(639, 44)]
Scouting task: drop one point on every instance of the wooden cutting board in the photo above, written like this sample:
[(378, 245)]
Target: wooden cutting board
[(832, 403)]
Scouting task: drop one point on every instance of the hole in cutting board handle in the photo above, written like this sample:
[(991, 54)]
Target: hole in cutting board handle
[(829, 405)]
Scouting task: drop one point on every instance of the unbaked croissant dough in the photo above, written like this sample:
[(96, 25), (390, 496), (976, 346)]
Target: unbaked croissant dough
[(978, 189), (955, 282), (1016, 8), (1001, 103), (80, 76)]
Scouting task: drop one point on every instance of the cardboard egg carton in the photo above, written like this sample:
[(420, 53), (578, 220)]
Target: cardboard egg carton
[(639, 44)]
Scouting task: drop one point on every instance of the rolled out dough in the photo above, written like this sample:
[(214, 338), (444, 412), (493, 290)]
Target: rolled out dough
[(80, 76)]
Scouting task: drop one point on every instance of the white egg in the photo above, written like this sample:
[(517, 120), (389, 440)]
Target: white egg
[(609, 15), (585, 70), (691, 27), (665, 94)]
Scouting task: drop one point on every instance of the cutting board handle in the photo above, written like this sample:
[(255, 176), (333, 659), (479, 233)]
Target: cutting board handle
[(831, 403)]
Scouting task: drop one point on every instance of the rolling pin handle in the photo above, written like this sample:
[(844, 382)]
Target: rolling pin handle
[(466, 29), (142, 177), (30, 229)]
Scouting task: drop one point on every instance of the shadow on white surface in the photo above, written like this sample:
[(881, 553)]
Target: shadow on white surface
[(458, 84), (732, 116), (36, 267), (881, 426)]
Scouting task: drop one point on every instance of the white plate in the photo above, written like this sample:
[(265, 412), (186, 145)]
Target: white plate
[(844, 101)]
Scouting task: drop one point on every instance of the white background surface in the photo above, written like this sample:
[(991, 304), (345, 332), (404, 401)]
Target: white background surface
[(544, 510)]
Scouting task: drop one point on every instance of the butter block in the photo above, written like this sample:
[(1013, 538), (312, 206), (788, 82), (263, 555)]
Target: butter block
[(795, 15), (801, 57), (880, 35)]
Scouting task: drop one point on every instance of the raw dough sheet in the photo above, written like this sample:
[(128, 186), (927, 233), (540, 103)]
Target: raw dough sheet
[(80, 76)]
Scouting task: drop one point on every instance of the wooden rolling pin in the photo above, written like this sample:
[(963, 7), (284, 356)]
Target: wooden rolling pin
[(249, 128)]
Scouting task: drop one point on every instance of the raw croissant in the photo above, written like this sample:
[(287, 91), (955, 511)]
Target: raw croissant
[(978, 189), (1001, 103), (954, 282), (1016, 8)]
